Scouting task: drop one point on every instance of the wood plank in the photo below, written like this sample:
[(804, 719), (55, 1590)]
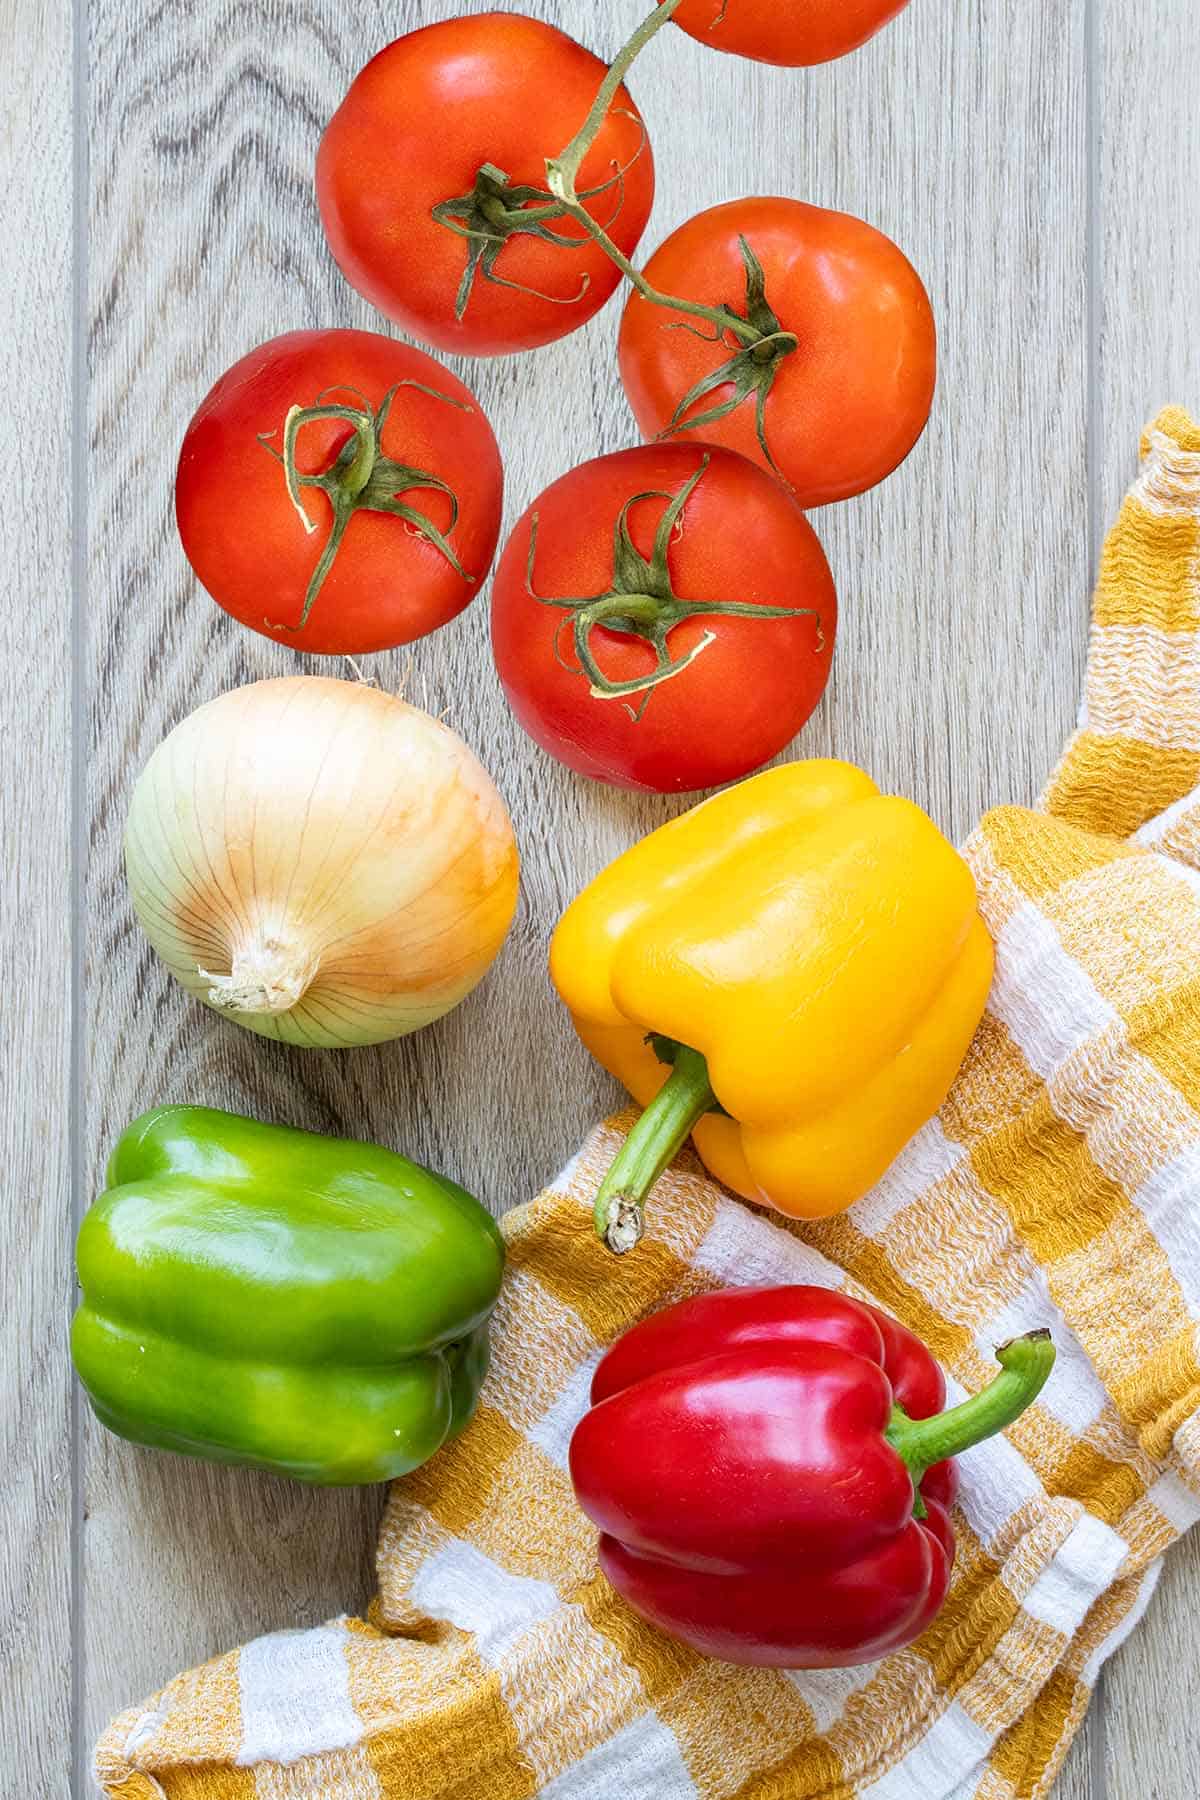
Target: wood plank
[(964, 138), (36, 318), (960, 132), (1147, 353), (1082, 1774), (1151, 1733), (1147, 162)]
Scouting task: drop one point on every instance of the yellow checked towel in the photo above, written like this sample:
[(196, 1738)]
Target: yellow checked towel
[(1059, 1185)]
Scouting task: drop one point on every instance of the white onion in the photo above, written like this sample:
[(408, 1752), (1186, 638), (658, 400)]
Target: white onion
[(321, 861)]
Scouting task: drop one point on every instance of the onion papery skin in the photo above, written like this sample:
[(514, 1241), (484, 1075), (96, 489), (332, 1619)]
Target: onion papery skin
[(321, 861)]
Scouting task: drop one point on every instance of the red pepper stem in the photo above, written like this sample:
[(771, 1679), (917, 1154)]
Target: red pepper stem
[(1025, 1362), (684, 1097)]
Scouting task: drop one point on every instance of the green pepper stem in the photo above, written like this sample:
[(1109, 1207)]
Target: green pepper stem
[(562, 174), (1025, 1362), (684, 1097)]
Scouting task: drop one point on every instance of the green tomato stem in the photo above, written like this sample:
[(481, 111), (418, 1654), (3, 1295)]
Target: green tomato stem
[(361, 476), (562, 174), (570, 160)]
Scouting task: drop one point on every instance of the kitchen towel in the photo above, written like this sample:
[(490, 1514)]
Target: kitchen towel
[(1059, 1185)]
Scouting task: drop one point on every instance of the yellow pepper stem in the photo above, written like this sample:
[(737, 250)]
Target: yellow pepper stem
[(684, 1097)]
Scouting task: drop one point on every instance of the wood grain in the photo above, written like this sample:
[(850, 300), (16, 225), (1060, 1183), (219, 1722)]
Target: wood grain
[(36, 317), (1147, 353), (963, 131)]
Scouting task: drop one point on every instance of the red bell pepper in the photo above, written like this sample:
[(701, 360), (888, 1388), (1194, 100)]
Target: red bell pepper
[(768, 1468)]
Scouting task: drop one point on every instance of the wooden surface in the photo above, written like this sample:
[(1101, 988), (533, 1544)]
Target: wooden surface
[(1041, 166), (38, 1538)]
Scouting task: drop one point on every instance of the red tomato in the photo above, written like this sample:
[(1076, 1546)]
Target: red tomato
[(641, 539), (405, 553), (805, 32), (847, 391), (403, 174)]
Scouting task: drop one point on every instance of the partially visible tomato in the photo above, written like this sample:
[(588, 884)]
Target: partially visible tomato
[(804, 32), (846, 377), (403, 554), (431, 180), (643, 565)]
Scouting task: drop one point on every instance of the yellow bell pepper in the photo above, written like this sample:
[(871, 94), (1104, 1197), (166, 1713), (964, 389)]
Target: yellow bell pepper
[(792, 973)]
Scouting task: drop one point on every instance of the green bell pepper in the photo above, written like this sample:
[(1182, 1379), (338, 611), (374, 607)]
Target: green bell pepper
[(259, 1295)]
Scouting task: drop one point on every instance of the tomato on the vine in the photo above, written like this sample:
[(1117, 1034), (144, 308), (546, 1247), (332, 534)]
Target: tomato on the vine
[(663, 618), (793, 36), (339, 492), (431, 181), (826, 374)]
